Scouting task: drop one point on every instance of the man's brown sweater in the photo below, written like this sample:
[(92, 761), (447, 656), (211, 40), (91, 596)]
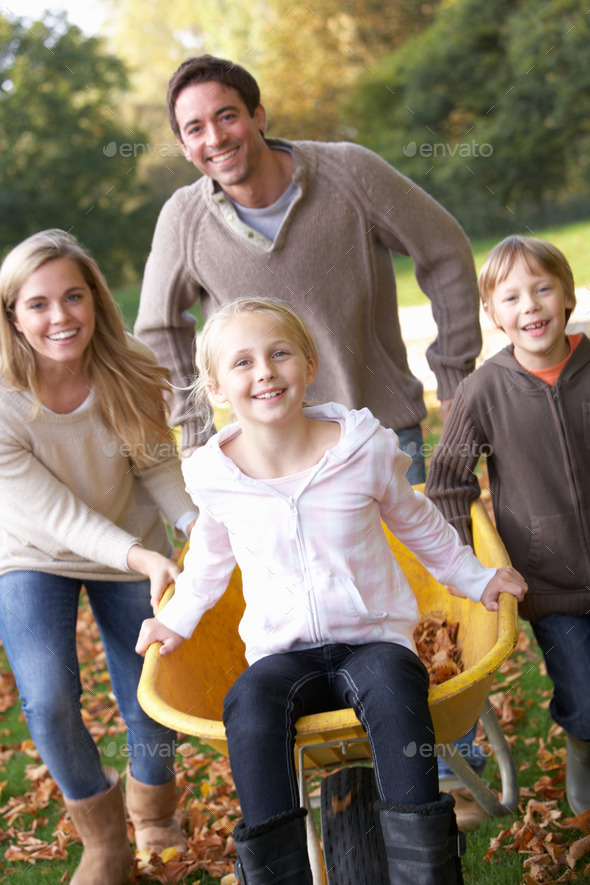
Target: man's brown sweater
[(331, 259)]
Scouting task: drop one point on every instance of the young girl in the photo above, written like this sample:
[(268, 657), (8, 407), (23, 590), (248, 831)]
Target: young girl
[(296, 496), (86, 461), (528, 407)]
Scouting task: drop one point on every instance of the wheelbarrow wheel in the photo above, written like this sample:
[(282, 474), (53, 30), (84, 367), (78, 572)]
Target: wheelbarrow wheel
[(354, 852)]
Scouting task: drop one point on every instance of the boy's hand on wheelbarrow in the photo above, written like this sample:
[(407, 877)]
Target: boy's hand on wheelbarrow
[(506, 580), (152, 630)]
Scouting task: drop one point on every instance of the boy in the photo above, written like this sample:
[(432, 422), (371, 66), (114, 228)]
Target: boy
[(528, 409)]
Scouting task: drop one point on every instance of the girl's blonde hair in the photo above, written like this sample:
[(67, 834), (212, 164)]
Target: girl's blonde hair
[(535, 253), (209, 342), (130, 389)]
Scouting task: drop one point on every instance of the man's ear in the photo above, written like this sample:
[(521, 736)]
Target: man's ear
[(186, 151), (260, 118)]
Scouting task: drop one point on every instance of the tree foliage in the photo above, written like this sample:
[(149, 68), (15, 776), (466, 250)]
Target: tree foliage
[(488, 109), (306, 56), (62, 160)]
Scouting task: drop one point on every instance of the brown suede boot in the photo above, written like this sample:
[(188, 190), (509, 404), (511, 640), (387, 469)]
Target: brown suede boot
[(577, 774), (151, 810), (100, 822)]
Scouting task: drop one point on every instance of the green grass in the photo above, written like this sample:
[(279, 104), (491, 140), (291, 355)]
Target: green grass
[(507, 869), (42, 821), (521, 678), (572, 239), (529, 692)]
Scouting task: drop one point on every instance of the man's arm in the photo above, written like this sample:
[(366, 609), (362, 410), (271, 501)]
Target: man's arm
[(163, 322), (409, 221)]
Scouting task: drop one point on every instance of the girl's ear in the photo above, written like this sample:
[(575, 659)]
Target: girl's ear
[(216, 394), (310, 371)]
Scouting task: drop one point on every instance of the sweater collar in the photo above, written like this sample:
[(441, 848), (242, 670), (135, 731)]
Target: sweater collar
[(304, 161)]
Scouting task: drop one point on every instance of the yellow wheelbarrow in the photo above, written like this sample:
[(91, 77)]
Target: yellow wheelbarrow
[(185, 691)]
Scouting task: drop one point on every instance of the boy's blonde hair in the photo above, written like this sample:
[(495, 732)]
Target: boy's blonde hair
[(209, 339), (535, 253), (130, 390)]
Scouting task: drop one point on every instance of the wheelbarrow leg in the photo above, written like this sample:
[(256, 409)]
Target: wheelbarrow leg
[(316, 858), (476, 786)]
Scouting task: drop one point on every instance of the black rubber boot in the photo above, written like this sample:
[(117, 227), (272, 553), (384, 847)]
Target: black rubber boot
[(273, 852), (423, 843), (577, 774)]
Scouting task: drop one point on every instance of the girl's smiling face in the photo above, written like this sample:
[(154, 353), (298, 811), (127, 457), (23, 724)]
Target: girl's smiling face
[(261, 371), (54, 311), (530, 305)]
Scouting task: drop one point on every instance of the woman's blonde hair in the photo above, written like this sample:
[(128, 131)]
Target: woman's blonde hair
[(209, 341), (535, 253), (130, 388)]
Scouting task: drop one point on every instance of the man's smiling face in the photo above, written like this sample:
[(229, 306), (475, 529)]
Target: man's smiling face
[(219, 136)]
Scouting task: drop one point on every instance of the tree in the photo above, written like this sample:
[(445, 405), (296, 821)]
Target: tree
[(306, 56), (67, 157), (488, 109)]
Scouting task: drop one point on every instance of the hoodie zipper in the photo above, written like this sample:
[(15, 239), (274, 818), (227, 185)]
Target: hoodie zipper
[(295, 533), (578, 503)]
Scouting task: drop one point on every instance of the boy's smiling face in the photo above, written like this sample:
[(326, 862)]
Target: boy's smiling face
[(530, 305)]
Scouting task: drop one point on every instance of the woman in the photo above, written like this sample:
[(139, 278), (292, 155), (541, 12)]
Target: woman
[(86, 464)]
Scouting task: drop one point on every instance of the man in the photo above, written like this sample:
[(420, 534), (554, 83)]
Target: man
[(314, 224)]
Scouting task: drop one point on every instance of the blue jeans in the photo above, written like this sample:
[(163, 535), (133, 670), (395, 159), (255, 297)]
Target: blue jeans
[(565, 643), (385, 684), (411, 442), (38, 614)]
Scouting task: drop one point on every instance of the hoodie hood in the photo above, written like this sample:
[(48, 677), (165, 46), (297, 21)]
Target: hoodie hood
[(358, 426), (525, 379)]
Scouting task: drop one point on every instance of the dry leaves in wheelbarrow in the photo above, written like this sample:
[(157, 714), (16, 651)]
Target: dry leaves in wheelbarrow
[(436, 643)]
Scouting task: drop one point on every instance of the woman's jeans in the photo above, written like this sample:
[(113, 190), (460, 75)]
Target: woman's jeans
[(565, 643), (385, 684), (38, 614)]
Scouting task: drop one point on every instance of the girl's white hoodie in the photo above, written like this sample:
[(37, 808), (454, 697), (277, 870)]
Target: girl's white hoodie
[(316, 566)]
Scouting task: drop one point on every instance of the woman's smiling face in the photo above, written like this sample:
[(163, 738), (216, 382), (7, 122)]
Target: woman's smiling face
[(54, 311)]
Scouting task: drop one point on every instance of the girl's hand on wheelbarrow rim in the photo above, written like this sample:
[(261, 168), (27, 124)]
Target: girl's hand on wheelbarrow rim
[(152, 630), (506, 580)]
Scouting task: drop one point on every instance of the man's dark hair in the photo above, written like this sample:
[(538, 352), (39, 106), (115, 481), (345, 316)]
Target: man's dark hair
[(206, 69)]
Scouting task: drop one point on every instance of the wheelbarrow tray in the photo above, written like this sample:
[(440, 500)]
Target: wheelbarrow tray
[(185, 690)]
